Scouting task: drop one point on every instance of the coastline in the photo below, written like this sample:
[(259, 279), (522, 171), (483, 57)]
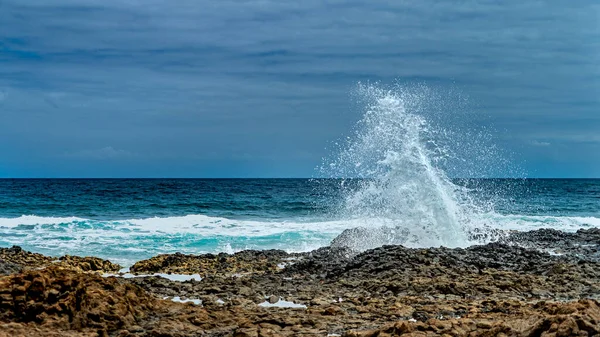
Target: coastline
[(543, 282)]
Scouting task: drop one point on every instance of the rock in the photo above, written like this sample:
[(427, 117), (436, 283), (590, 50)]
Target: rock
[(7, 268), (486, 290), (89, 264), (361, 238), (23, 258), (250, 332), (245, 291), (71, 300), (249, 261), (319, 263)]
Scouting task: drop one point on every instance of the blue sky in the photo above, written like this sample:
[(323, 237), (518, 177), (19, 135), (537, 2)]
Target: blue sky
[(195, 88)]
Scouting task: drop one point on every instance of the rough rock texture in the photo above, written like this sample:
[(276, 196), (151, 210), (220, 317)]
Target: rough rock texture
[(583, 244), (18, 256), (489, 290), (15, 259), (88, 264), (70, 300), (7, 268), (249, 261), (361, 238), (63, 302), (60, 302), (580, 318)]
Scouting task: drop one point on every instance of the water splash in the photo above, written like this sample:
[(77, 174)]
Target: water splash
[(403, 193)]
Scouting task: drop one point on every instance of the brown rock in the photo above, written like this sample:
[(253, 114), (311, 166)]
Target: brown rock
[(21, 257), (89, 264), (70, 300)]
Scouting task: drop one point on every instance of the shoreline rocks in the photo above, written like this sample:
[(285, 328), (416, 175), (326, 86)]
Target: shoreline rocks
[(248, 261), (16, 259), (513, 287)]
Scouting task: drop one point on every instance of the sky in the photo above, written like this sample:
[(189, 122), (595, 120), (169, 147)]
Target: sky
[(261, 88)]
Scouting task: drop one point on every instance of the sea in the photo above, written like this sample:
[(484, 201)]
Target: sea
[(394, 172), (126, 220)]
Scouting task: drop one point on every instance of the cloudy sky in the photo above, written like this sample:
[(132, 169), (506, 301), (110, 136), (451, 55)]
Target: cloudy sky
[(260, 88)]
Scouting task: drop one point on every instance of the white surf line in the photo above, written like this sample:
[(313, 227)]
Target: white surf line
[(172, 277)]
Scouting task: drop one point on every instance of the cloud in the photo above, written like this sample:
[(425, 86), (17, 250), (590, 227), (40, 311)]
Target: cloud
[(271, 78), (105, 153)]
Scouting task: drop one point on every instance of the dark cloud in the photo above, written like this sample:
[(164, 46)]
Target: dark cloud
[(233, 87)]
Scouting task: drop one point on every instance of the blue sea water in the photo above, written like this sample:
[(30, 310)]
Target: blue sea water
[(130, 219)]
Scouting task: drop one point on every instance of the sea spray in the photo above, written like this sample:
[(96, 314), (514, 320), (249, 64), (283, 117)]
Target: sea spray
[(400, 190)]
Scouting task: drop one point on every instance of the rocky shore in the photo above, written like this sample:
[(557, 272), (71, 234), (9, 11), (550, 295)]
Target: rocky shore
[(540, 283)]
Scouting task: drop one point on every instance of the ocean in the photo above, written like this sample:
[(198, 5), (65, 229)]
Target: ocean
[(400, 157), (126, 220)]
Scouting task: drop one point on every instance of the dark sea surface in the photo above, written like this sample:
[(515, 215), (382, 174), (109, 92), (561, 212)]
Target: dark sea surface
[(129, 219)]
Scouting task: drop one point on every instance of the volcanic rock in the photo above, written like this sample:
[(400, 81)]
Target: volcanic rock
[(248, 261), (18, 256), (7, 268), (88, 264)]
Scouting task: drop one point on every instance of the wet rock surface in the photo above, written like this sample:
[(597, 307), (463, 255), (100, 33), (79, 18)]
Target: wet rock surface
[(15, 259), (510, 288), (583, 244)]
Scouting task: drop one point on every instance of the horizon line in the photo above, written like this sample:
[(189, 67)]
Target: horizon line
[(265, 178)]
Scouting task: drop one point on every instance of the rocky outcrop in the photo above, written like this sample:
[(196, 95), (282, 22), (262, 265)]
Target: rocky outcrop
[(580, 318), (248, 261), (361, 239), (583, 244), (15, 259), (7, 268), (70, 300), (18, 256), (88, 264), (63, 302), (497, 289)]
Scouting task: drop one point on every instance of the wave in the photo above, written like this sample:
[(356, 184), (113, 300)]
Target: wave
[(127, 241), (405, 145), (407, 189)]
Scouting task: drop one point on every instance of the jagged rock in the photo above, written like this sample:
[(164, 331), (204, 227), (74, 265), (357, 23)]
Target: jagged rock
[(72, 301), (509, 288), (361, 239), (580, 318), (224, 264), (88, 264), (7, 268), (18, 256), (22, 259)]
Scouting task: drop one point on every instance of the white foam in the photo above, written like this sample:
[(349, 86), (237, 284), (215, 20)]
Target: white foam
[(198, 224), (532, 222), (172, 277), (29, 220), (398, 149), (282, 304), (179, 300), (114, 240)]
